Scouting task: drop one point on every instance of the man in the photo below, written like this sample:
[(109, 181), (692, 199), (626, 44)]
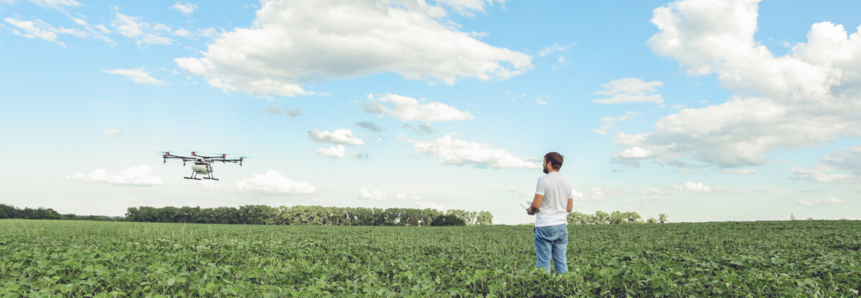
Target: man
[(551, 222)]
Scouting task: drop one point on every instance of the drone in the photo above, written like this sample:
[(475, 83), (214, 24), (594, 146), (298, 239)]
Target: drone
[(202, 164)]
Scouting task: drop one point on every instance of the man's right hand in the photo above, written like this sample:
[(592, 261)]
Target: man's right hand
[(529, 211)]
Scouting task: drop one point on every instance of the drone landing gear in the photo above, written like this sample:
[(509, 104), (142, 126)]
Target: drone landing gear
[(193, 176)]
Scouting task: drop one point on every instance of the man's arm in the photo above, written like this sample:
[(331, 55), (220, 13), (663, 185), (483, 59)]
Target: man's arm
[(536, 202), (570, 204)]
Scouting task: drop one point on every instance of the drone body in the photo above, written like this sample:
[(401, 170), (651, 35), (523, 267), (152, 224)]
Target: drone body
[(202, 164)]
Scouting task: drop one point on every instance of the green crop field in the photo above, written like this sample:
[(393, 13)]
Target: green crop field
[(733, 259)]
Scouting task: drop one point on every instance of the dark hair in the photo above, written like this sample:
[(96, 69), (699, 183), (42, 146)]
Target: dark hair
[(554, 158)]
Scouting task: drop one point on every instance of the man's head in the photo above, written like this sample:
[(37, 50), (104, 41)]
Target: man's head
[(552, 161)]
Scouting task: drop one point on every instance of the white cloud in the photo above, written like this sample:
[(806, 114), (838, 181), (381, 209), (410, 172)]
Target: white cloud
[(466, 7), (845, 160), (409, 109), (609, 123), (630, 90), (333, 151), (739, 171), (137, 175), (38, 29), (634, 153), (273, 182), (599, 194), (182, 33), (347, 39), (359, 155), (829, 201), (540, 100), (184, 8), (823, 174), (56, 4), (339, 136), (848, 159), (137, 75), (811, 93), (113, 131), (450, 151), (142, 32), (693, 187), (378, 195), (554, 48)]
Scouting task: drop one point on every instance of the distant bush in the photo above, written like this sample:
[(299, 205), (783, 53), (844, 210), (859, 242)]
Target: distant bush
[(448, 220)]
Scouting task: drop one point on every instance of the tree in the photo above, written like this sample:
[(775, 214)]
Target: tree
[(448, 220), (484, 218), (578, 218), (652, 220), (663, 218), (632, 217), (617, 217), (792, 216), (601, 218)]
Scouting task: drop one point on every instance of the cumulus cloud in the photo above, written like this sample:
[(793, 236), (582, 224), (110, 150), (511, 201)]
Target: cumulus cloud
[(833, 168), (292, 43), (810, 94), (137, 75), (823, 174), (142, 32), (829, 201), (333, 151), (409, 109), (113, 131), (369, 126), (848, 159), (693, 187), (275, 183), (450, 151), (630, 90), (134, 176), (377, 195), (184, 8), (608, 123), (339, 136)]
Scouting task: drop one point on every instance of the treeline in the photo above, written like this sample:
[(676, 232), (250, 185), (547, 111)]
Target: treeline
[(9, 211), (617, 217), (309, 215)]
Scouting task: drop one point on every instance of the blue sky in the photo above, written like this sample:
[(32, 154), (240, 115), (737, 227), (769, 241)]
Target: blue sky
[(704, 110)]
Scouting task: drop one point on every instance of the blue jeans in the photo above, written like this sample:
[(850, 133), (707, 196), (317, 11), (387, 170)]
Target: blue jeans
[(552, 240)]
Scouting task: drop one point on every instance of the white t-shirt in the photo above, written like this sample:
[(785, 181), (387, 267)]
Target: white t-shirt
[(556, 191)]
